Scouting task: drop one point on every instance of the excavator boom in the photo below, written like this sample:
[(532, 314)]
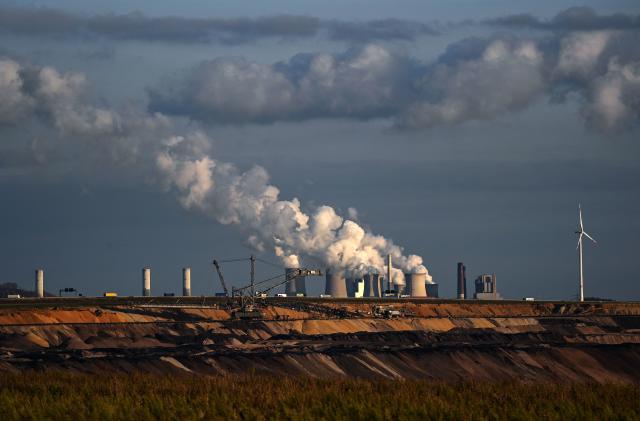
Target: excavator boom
[(224, 285)]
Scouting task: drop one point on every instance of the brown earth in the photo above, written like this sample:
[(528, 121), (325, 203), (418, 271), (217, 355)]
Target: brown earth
[(560, 342)]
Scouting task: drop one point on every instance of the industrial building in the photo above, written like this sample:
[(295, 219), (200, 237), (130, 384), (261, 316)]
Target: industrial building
[(486, 288)]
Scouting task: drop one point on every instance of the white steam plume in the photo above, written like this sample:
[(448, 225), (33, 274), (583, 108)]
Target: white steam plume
[(215, 188), (247, 199)]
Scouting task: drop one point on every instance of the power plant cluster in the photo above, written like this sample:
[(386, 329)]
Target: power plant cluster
[(338, 285)]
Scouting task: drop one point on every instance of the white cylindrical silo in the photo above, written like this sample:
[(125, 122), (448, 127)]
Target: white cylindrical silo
[(186, 282), (415, 283), (336, 284), (39, 290), (146, 282), (372, 285)]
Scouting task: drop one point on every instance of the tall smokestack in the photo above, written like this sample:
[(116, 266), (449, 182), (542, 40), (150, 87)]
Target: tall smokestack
[(146, 282), (389, 272), (462, 287), (336, 284), (39, 290), (186, 282), (464, 281)]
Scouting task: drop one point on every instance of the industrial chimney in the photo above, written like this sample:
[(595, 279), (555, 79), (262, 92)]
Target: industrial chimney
[(336, 284), (372, 285), (186, 282), (146, 282), (462, 281), (39, 290), (415, 282), (389, 282)]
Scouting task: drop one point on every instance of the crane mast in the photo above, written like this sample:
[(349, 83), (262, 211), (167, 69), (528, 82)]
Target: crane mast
[(247, 294), (224, 285)]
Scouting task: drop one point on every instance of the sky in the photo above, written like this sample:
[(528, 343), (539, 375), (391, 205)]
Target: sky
[(324, 135)]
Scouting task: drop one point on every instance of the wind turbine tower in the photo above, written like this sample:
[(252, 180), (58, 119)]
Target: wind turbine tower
[(581, 233)]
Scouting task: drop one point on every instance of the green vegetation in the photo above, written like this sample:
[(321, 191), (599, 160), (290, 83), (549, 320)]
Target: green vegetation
[(56, 395)]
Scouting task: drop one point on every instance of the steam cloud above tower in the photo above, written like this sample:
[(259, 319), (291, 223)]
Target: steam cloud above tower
[(248, 200), (202, 183)]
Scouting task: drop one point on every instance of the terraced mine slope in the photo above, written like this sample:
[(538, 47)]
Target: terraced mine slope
[(444, 340)]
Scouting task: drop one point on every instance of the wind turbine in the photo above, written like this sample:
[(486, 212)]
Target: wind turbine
[(581, 233)]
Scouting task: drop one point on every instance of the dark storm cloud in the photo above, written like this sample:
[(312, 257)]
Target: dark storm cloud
[(474, 79), (572, 19), (383, 29), (137, 26)]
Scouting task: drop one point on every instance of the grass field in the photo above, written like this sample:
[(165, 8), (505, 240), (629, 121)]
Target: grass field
[(56, 395)]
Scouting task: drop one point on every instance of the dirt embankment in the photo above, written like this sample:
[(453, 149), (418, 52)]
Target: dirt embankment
[(547, 341)]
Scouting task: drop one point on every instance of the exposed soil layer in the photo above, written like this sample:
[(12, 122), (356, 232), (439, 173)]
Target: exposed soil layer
[(560, 342)]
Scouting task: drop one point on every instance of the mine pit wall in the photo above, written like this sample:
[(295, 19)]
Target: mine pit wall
[(543, 342)]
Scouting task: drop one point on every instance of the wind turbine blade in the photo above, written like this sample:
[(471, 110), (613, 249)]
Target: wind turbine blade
[(590, 237), (579, 241), (580, 213)]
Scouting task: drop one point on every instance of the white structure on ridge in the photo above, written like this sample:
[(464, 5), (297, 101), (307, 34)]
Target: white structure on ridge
[(581, 233), (186, 282), (146, 282), (39, 289)]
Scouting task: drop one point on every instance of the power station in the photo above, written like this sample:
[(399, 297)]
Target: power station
[(387, 283), (337, 285)]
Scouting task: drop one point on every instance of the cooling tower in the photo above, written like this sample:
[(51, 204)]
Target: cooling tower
[(415, 283), (295, 286), (39, 290), (372, 285), (186, 282), (336, 285), (353, 287), (432, 290), (146, 282)]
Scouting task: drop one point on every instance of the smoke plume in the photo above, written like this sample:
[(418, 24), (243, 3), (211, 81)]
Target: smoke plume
[(249, 201), (183, 165)]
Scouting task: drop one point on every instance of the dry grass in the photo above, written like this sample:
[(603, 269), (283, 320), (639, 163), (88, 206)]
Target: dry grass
[(56, 395)]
